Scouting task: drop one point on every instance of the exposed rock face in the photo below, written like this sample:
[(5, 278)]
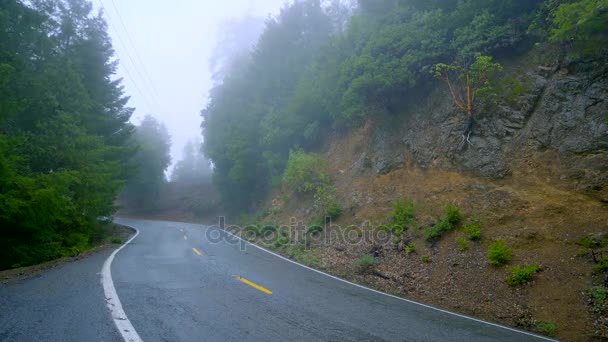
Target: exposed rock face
[(562, 111)]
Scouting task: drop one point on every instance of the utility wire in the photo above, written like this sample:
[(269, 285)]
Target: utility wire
[(137, 55), (129, 74)]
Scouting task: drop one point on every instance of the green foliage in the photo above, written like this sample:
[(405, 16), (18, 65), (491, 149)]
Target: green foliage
[(498, 253), (450, 219), (599, 295), (305, 172), (425, 258), (116, 241), (401, 215), (601, 266), (473, 230), (314, 67), (64, 130), (143, 189), (364, 264), (521, 275), (410, 248), (334, 211), (469, 83), (463, 244), (546, 327), (579, 20)]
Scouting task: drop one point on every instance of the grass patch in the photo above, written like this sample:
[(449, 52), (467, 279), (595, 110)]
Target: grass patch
[(365, 264), (410, 248), (473, 230), (521, 275), (450, 219), (599, 295), (463, 244), (498, 253), (546, 327), (601, 266), (401, 215), (116, 240), (425, 258)]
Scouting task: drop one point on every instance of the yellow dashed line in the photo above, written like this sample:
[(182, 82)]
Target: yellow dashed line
[(254, 285), (197, 251)]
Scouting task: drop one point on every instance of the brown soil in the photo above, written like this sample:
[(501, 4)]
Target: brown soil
[(532, 211), (114, 232)]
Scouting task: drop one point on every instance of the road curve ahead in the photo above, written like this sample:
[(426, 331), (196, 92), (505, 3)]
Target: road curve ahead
[(177, 283)]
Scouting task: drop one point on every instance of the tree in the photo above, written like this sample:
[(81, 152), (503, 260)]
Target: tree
[(151, 160), (469, 84), (579, 20)]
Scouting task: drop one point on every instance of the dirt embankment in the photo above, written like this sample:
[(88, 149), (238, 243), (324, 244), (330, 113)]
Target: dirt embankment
[(535, 175)]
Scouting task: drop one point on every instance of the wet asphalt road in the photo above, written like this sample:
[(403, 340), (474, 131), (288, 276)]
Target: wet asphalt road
[(175, 284)]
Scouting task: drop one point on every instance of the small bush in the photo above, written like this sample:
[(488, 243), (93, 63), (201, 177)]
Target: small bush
[(365, 264), (473, 230), (463, 244), (521, 275), (116, 240), (599, 295), (401, 215), (305, 172), (546, 327), (498, 253), (452, 214), (315, 227), (601, 266), (334, 211), (450, 219), (410, 248), (425, 258)]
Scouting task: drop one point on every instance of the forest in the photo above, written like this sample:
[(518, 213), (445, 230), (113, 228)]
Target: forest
[(327, 66), (69, 148)]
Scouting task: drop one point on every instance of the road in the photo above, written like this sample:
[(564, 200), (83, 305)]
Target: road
[(176, 283)]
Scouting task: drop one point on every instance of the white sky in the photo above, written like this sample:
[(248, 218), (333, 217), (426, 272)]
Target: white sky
[(173, 40)]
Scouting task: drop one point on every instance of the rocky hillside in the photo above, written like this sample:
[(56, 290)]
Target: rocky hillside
[(533, 176)]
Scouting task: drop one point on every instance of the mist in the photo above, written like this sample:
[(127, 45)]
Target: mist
[(171, 55)]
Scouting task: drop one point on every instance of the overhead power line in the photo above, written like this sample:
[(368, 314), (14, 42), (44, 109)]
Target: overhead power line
[(150, 101)]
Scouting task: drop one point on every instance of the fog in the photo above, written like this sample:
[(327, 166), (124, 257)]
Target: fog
[(166, 50)]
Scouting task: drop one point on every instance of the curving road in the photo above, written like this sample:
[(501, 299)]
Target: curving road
[(175, 284)]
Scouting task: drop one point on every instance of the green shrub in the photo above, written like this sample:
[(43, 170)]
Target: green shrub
[(452, 214), (463, 244), (438, 229), (450, 219), (473, 230), (401, 215), (410, 248), (599, 294), (601, 266), (334, 211), (546, 327), (314, 229), (365, 263), (305, 172), (498, 253), (116, 240), (425, 258), (521, 275)]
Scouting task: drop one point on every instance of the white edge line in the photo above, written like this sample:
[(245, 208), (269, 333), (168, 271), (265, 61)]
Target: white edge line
[(124, 326), (393, 296), (354, 284)]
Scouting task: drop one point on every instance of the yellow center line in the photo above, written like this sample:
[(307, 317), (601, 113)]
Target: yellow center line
[(254, 285), (197, 251)]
